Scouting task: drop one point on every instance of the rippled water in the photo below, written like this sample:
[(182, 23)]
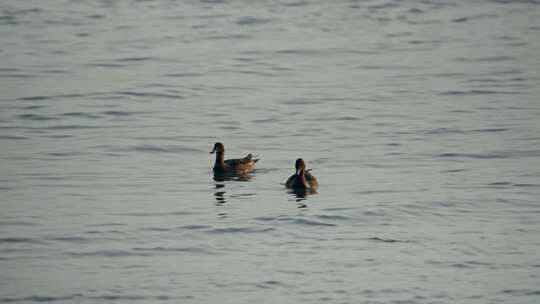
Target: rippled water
[(420, 120)]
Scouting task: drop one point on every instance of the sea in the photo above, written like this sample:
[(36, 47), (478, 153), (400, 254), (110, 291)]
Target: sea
[(420, 119)]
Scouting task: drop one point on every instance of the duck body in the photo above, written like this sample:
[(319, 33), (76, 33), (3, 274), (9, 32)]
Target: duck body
[(232, 166), (302, 179)]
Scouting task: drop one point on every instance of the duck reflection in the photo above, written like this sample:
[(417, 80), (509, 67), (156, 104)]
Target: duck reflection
[(220, 195), (301, 195), (221, 180), (232, 177)]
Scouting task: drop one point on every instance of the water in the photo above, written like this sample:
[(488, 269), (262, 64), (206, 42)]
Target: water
[(420, 120)]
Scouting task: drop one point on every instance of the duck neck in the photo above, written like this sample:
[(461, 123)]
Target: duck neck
[(220, 162)]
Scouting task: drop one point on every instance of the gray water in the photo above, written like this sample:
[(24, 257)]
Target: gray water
[(420, 120)]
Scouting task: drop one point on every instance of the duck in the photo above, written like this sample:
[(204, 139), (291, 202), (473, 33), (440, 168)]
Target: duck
[(302, 179), (232, 166)]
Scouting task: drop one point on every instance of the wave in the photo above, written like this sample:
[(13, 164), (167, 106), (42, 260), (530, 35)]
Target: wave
[(240, 230), (135, 59), (13, 137), (478, 92), (34, 117), (384, 240), (110, 253), (15, 240), (81, 114), (79, 296), (39, 299), (299, 221), (172, 249), (149, 94), (195, 227)]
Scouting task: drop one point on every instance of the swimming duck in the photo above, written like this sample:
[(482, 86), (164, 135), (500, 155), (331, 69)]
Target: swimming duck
[(302, 179), (232, 166)]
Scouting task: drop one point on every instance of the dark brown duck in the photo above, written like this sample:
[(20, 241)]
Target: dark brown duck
[(232, 166), (302, 179)]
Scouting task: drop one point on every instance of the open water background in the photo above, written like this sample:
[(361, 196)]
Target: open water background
[(421, 120)]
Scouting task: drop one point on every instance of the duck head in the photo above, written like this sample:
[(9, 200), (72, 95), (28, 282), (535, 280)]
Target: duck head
[(218, 147)]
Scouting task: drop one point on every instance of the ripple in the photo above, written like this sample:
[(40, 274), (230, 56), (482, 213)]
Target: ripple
[(473, 155), (106, 65), (272, 284), (70, 239), (229, 37), (181, 75), (523, 292), (81, 114), (18, 76), (135, 59), (155, 229), (10, 70), (120, 113), (440, 131), (16, 223), (249, 20), (489, 130), (15, 240), (333, 217), (378, 239), (105, 225), (77, 298), (485, 59), (153, 213), (474, 17), (303, 221), (109, 253), (149, 94), (240, 230), (12, 137), (118, 232), (295, 3), (63, 154), (34, 98), (370, 192), (195, 227), (36, 298), (148, 148), (527, 185), (96, 16), (134, 298), (33, 107), (35, 117), (266, 120), (478, 92), (172, 249), (163, 148), (72, 127), (300, 52), (300, 101)]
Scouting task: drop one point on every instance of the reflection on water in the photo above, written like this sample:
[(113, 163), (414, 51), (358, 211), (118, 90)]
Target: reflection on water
[(220, 186), (219, 195), (300, 195), (233, 177)]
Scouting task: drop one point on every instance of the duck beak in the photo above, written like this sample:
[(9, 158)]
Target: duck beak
[(214, 150)]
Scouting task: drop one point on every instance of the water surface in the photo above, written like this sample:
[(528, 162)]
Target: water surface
[(420, 120)]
